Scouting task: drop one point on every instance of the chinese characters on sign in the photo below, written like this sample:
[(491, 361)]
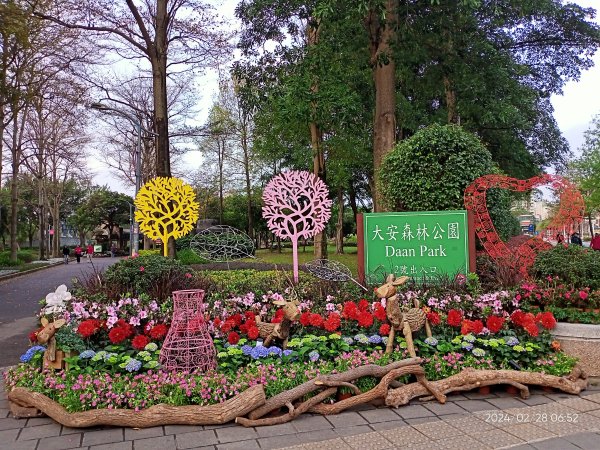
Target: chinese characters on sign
[(417, 244)]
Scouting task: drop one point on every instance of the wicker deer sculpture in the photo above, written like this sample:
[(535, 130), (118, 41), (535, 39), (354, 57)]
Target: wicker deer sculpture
[(281, 330), (46, 336), (408, 320)]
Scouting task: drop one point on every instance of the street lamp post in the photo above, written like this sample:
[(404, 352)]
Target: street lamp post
[(137, 123)]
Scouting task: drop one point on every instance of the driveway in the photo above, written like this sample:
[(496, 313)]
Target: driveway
[(20, 297)]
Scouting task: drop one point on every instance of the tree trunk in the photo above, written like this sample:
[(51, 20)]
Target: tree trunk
[(17, 137), (57, 230), (382, 35), (316, 141), (591, 225), (249, 206), (450, 94), (352, 201), (42, 215), (339, 231), (221, 146)]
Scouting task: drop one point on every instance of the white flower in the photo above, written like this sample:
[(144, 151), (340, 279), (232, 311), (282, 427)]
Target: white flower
[(55, 301)]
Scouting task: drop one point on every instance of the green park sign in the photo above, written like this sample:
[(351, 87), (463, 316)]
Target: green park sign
[(421, 245)]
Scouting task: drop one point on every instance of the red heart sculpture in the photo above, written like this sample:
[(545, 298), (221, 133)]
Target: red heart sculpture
[(569, 215)]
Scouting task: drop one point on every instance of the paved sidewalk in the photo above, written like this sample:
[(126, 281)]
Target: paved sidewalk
[(470, 421)]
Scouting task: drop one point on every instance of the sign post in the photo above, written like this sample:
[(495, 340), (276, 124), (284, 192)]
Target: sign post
[(422, 245)]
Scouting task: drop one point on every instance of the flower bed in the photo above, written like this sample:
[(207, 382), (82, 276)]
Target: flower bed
[(475, 334)]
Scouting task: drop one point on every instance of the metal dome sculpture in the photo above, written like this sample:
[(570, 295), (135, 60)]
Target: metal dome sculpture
[(222, 243), (328, 270)]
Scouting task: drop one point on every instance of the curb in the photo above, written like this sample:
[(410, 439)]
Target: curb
[(25, 272)]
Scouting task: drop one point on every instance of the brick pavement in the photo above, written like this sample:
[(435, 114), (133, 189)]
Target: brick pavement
[(472, 421)]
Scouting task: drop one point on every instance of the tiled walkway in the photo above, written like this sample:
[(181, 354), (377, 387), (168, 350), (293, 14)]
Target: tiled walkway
[(470, 421)]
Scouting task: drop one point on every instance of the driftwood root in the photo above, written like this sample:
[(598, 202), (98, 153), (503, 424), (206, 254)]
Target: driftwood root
[(217, 414)]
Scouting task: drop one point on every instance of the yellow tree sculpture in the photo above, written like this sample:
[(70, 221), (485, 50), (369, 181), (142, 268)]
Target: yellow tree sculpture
[(166, 207)]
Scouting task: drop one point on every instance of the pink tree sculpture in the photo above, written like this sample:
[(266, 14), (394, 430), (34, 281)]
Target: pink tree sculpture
[(296, 206)]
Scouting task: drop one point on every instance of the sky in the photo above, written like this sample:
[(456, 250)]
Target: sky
[(573, 110)]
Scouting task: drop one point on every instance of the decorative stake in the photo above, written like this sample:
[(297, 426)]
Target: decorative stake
[(188, 346), (296, 206), (166, 208)]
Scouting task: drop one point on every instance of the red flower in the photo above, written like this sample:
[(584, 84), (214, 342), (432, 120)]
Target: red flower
[(140, 341), (350, 311), (252, 333), (233, 338), (251, 316), (583, 295), (217, 322), (494, 323), (365, 319), (278, 317), (227, 326), (333, 322), (126, 327), (532, 329), (159, 331), (454, 318), (434, 318), (518, 317), (305, 318), (244, 327), (316, 320), (118, 335), (546, 319), (88, 327), (142, 268), (363, 305), (384, 329), (477, 326), (237, 319), (466, 326), (379, 312)]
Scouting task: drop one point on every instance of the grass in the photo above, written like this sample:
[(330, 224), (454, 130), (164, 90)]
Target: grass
[(349, 258)]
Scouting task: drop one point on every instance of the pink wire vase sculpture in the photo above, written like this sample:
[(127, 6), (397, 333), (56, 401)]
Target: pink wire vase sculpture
[(296, 206), (188, 345)]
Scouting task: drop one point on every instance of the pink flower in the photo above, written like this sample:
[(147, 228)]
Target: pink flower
[(188, 275), (583, 295), (142, 268)]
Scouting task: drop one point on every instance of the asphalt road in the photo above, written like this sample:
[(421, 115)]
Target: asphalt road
[(20, 297)]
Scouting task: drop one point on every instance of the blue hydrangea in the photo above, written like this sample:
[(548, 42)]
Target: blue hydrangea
[(287, 352), (512, 341), (467, 346), (151, 347), (246, 349), (133, 365), (478, 352), (375, 339), (31, 351), (469, 338), (273, 350), (87, 354), (431, 341), (314, 356), (348, 340), (259, 351)]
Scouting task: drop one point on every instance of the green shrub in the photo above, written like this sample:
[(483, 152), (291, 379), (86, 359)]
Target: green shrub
[(184, 242), (226, 283), (149, 252), (573, 264), (23, 257), (430, 171), (154, 275), (187, 256)]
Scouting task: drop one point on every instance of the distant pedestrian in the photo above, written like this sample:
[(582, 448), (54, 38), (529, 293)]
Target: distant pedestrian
[(575, 239), (78, 253), (595, 244), (66, 252), (560, 239), (113, 250), (90, 252)]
